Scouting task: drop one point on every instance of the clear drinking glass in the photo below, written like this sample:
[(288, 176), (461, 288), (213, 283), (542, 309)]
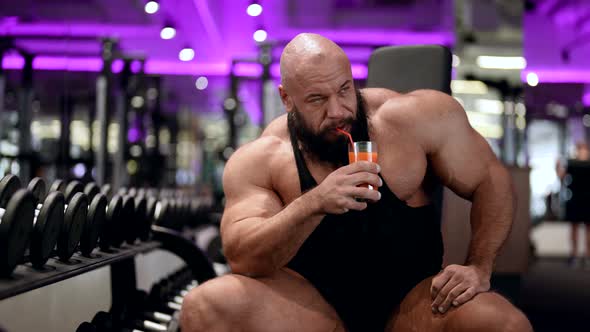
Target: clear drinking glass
[(363, 150)]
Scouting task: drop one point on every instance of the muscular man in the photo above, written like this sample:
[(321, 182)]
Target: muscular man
[(308, 255)]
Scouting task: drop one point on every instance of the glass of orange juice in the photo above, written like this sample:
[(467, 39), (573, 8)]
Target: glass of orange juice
[(362, 150)]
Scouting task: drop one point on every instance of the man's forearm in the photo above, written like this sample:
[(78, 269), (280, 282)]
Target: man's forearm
[(492, 214), (266, 244)]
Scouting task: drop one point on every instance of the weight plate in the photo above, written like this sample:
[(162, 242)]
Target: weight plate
[(128, 221), (74, 221), (110, 230), (162, 213), (106, 190), (47, 228), (38, 187), (91, 190), (15, 230), (94, 224), (8, 186), (150, 212), (142, 223), (58, 185), (72, 188)]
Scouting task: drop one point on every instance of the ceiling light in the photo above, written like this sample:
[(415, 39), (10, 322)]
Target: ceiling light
[(186, 54), (254, 9), (151, 7), (168, 32), (260, 35), (201, 83), (532, 79)]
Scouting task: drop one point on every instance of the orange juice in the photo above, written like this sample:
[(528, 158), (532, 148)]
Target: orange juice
[(358, 156)]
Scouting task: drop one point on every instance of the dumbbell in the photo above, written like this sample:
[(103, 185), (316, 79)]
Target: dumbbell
[(47, 220), (75, 217), (112, 216), (128, 223), (95, 218), (142, 222), (17, 212), (118, 213), (166, 292), (96, 214)]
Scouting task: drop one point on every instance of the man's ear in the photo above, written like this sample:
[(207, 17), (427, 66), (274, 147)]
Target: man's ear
[(285, 98)]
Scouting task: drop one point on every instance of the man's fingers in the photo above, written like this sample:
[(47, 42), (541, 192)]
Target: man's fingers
[(365, 178), (362, 166), (452, 296), (445, 291), (353, 204), (467, 295), (365, 193), (438, 283)]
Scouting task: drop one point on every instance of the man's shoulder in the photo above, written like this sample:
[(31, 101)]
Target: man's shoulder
[(418, 105), (277, 128), (261, 149), (256, 162)]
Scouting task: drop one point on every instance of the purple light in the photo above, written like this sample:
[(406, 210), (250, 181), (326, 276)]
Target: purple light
[(133, 134), (117, 66), (161, 67), (135, 66), (586, 96), (13, 62), (247, 69), (359, 71), (79, 170), (77, 30), (558, 76)]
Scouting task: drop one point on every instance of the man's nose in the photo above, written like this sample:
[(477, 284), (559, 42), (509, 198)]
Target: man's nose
[(335, 109)]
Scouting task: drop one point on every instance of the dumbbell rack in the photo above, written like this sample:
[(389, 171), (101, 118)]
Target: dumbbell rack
[(25, 278), (123, 279)]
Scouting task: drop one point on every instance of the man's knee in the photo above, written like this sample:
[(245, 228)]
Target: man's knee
[(208, 306), (488, 312)]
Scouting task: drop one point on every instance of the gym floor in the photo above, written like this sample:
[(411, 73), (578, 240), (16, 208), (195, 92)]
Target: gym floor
[(556, 296)]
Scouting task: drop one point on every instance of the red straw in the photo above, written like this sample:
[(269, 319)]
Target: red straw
[(347, 134)]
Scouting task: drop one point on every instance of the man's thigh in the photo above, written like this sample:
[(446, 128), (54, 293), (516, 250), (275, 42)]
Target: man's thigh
[(485, 312), (284, 301)]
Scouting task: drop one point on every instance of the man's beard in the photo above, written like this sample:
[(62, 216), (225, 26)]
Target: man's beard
[(319, 147)]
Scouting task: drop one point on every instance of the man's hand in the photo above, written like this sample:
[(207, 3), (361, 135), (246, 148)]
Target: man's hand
[(339, 191), (457, 284)]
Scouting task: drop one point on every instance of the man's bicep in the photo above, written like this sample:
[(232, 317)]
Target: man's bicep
[(247, 191), (251, 202), (464, 158)]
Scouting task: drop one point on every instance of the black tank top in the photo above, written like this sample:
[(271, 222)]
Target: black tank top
[(365, 262)]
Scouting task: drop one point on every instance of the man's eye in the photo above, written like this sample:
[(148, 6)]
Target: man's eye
[(343, 90)]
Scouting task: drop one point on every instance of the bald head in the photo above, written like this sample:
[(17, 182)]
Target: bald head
[(306, 51)]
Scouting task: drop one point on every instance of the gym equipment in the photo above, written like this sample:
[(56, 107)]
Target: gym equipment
[(94, 224), (47, 220), (76, 212), (17, 208), (109, 229), (142, 219), (91, 190), (128, 223)]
